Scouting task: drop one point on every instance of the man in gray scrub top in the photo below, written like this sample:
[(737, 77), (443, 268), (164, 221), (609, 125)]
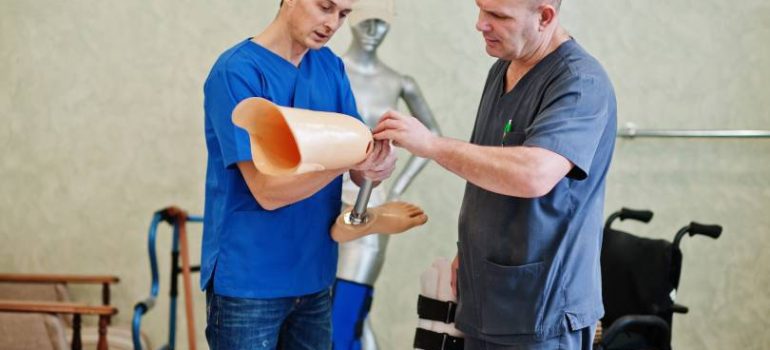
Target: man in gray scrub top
[(530, 226)]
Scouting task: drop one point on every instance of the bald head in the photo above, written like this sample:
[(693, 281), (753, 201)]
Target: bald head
[(537, 3)]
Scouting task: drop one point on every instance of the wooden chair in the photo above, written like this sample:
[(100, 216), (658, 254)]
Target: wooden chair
[(33, 299), (20, 331)]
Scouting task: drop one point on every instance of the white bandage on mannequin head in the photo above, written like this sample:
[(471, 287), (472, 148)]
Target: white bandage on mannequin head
[(367, 9)]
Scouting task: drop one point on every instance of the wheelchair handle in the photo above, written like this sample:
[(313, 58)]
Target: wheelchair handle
[(625, 213), (713, 231), (638, 215), (694, 228)]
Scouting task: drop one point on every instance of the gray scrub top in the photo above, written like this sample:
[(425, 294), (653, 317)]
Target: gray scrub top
[(529, 268)]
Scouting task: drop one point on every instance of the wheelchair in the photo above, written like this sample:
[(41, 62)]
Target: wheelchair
[(640, 278)]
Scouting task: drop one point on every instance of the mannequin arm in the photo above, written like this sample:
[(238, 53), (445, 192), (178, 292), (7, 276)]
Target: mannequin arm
[(419, 108)]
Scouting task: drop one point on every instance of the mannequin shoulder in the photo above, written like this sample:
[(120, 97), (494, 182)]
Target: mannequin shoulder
[(409, 85)]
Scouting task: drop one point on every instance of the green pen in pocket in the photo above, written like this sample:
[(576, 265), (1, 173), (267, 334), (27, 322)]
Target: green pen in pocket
[(506, 130)]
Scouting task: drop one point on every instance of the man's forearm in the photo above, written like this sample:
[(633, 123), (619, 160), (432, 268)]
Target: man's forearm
[(525, 172), (273, 192)]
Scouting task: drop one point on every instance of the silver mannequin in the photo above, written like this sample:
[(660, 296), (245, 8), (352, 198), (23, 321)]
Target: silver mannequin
[(377, 88)]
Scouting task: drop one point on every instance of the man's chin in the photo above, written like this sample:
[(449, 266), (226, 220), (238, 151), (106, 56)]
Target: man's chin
[(491, 51), (314, 44)]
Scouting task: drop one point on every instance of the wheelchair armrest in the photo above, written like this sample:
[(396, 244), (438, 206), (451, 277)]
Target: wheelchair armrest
[(624, 323)]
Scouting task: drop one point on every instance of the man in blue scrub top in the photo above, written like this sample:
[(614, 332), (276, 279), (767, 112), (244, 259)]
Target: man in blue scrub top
[(531, 220), (268, 260)]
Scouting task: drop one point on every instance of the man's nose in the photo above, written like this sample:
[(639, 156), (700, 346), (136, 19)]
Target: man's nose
[(332, 23), (482, 24)]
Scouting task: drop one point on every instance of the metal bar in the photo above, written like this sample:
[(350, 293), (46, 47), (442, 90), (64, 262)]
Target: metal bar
[(139, 309), (633, 132), (155, 286), (143, 306), (358, 215), (195, 218)]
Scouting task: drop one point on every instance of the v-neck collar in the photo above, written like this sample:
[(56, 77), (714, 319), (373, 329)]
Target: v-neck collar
[(545, 62), (275, 56)]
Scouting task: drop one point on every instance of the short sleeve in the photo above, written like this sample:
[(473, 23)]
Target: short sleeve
[(347, 99), (572, 119), (223, 90)]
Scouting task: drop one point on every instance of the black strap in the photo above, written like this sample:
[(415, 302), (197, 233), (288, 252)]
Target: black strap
[(436, 310), (429, 340)]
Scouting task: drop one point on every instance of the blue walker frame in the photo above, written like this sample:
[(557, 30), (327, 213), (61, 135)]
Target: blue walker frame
[(144, 306)]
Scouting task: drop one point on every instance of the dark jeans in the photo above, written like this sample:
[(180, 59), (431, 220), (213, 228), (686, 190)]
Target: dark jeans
[(297, 323)]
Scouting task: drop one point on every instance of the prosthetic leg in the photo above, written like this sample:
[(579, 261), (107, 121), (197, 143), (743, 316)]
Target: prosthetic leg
[(436, 307), (353, 300)]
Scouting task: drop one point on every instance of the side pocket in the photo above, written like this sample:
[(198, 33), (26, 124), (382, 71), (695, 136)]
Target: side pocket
[(513, 298)]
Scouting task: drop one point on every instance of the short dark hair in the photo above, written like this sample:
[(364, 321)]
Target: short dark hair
[(281, 4)]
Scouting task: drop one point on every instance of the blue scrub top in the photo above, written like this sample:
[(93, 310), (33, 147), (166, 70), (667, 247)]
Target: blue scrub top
[(529, 267), (249, 251)]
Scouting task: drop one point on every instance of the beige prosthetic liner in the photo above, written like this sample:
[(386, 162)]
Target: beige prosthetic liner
[(291, 141)]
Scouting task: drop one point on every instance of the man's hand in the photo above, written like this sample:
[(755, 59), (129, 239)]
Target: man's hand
[(379, 164), (406, 132), (455, 266)]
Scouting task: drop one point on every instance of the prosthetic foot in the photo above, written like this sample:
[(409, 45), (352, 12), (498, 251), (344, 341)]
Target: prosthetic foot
[(389, 218)]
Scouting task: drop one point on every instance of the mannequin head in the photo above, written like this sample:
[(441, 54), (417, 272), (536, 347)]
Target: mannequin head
[(370, 33)]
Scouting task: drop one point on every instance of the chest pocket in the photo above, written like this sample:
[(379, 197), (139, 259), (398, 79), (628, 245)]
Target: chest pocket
[(514, 138)]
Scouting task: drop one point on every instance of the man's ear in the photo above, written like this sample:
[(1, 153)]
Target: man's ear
[(547, 16)]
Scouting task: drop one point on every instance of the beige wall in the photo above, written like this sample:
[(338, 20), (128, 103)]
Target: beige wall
[(101, 124)]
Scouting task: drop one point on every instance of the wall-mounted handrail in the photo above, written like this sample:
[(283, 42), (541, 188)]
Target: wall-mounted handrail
[(631, 131)]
